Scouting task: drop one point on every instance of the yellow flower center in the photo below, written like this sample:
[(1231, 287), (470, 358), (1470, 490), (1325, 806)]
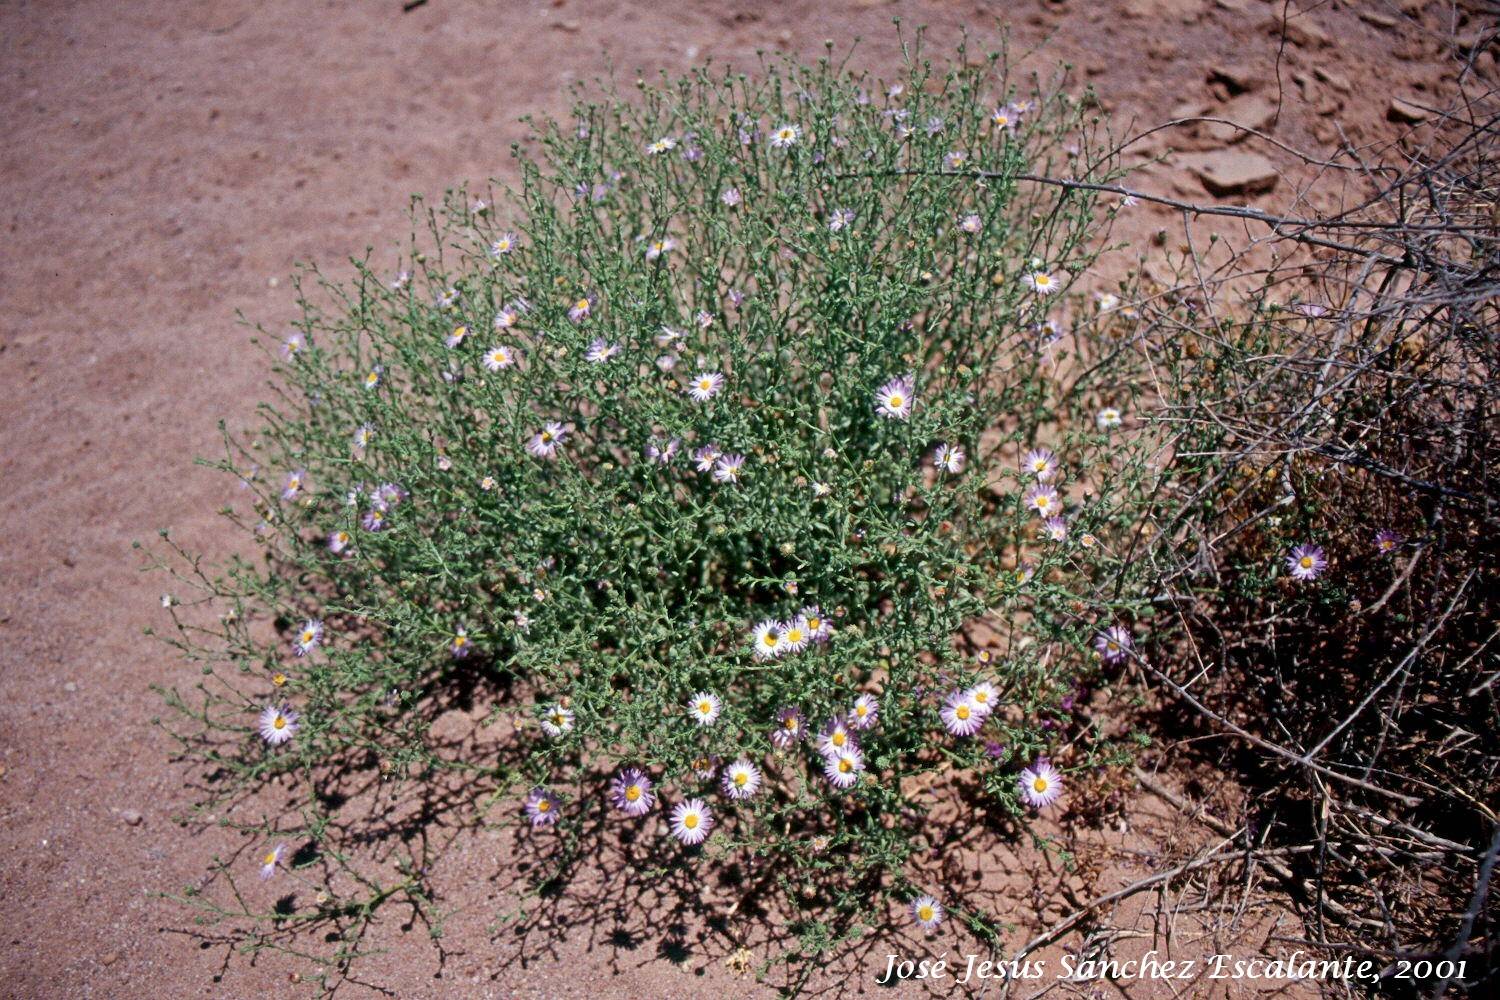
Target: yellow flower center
[(845, 765), (582, 305), (741, 778), (1040, 784), (925, 913), (270, 859), (459, 640), (1306, 562), (279, 723), (632, 793), (861, 711), (794, 635), (1043, 503), (690, 821), (768, 640), (896, 402), (543, 805), (278, 679), (1043, 281), (705, 707), (791, 724), (962, 712)]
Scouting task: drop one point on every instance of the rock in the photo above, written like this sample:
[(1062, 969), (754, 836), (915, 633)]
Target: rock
[(1238, 77), (131, 817), (1234, 171), (1331, 78), (1187, 109), (1404, 111), (1250, 110), (1300, 29)]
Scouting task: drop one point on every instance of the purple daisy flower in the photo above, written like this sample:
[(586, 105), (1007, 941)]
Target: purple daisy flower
[(662, 452), (308, 637), (1114, 644), (1306, 562), (836, 738), (865, 712), (1042, 500), (727, 469), (391, 494), (1387, 541), (789, 727), (271, 860), (295, 482), (961, 715), (927, 912), (581, 309), (705, 457), (374, 519), (894, 399), (631, 792), (819, 628), (843, 768), (541, 807), (278, 723)]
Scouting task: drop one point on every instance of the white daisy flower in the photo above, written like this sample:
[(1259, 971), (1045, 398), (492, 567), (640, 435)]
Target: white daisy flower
[(741, 779), (786, 136), (662, 145), (706, 386), (1041, 784), (765, 640), (794, 635), (557, 720), (949, 458), (1041, 282), (1107, 418), (705, 707), (691, 822), (499, 357)]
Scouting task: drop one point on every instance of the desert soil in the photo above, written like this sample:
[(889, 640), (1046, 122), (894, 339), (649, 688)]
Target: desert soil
[(166, 164)]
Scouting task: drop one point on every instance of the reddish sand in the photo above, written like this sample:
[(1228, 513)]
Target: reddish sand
[(165, 165)]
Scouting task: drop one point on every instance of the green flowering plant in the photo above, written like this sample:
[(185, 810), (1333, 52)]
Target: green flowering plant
[(745, 428)]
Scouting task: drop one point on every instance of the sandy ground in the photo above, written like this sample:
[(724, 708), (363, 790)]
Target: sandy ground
[(165, 165)]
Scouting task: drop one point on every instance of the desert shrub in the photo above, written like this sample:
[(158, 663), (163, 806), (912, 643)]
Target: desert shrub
[(1332, 558), (727, 400)]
